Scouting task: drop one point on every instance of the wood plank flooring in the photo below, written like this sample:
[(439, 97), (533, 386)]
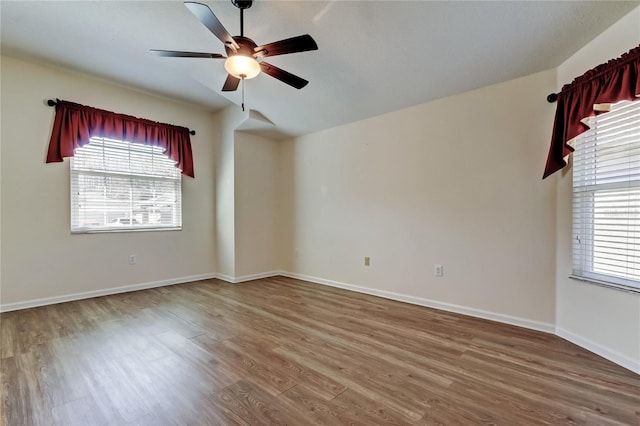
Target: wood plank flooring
[(282, 351)]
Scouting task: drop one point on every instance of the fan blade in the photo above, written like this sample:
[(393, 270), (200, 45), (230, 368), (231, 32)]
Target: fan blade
[(230, 84), (209, 20), (283, 76), (301, 43), (180, 54)]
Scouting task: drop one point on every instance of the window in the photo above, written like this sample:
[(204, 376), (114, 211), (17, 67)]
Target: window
[(122, 186), (606, 198)]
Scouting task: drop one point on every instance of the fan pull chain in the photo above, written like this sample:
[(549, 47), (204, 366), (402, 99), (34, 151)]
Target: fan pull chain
[(243, 95)]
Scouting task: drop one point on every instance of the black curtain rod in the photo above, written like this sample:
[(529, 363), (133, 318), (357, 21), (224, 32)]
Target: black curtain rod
[(552, 97), (51, 103)]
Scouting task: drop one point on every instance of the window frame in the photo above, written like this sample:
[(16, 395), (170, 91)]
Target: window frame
[(75, 173), (584, 270)]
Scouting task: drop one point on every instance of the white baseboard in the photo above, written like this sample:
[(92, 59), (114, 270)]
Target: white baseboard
[(227, 278), (598, 349), (104, 292), (244, 278), (479, 313)]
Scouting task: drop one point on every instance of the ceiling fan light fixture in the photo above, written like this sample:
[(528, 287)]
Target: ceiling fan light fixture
[(241, 66)]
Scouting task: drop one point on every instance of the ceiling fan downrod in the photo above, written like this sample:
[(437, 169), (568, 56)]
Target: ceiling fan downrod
[(242, 5)]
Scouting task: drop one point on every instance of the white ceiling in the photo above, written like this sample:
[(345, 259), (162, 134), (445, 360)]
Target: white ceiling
[(373, 57)]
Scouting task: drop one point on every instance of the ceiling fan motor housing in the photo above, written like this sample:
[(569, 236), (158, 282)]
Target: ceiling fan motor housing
[(246, 47)]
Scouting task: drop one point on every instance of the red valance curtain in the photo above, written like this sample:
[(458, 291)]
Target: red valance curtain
[(617, 80), (75, 124)]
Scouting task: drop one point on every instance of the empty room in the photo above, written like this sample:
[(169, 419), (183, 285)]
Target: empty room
[(319, 212)]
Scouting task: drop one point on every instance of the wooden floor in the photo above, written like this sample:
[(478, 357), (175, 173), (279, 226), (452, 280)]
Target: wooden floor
[(281, 351)]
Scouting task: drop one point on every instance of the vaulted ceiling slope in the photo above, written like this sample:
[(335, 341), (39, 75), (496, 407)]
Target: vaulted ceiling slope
[(373, 57)]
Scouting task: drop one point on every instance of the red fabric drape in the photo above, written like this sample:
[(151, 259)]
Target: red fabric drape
[(75, 124), (617, 80)]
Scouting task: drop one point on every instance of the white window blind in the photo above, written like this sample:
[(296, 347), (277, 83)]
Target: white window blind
[(606, 198), (122, 186)]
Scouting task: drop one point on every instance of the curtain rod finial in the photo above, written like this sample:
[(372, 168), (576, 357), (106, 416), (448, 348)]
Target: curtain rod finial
[(51, 102), (552, 97), (192, 132)]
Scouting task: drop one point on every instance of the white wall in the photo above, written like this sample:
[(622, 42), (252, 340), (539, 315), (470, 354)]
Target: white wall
[(604, 320), (40, 258), (256, 205), (455, 182), (247, 227), (226, 121)]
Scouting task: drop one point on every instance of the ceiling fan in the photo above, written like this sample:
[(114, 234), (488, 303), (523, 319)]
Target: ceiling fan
[(242, 52)]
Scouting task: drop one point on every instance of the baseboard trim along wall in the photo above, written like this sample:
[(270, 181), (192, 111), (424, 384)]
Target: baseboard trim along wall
[(535, 325), (479, 313), (603, 351), (104, 292), (245, 278)]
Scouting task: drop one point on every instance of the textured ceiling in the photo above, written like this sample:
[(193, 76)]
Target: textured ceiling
[(373, 57)]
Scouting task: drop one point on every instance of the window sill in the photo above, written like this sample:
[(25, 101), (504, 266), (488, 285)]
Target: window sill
[(120, 230), (606, 284)]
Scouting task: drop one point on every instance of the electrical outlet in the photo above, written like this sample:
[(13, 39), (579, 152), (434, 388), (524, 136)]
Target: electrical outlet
[(367, 261), (438, 271), (133, 259)]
